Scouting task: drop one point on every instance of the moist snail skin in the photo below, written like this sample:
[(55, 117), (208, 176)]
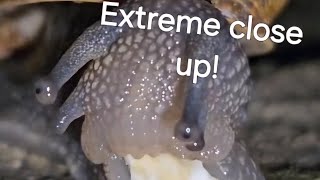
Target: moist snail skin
[(136, 104)]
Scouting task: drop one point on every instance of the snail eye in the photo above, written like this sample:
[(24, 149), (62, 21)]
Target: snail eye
[(45, 91), (38, 90), (189, 133)]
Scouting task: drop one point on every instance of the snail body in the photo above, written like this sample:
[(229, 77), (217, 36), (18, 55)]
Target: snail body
[(134, 102)]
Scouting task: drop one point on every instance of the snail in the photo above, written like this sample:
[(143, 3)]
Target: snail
[(135, 103)]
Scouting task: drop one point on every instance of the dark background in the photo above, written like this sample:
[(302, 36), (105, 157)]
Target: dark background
[(284, 134)]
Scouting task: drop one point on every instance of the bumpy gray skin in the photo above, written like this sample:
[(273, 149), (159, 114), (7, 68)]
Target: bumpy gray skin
[(136, 103)]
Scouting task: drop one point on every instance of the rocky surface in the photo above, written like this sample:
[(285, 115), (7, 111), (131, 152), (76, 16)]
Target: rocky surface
[(284, 128), (283, 133)]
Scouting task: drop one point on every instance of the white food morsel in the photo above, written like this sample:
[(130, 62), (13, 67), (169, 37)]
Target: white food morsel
[(166, 167)]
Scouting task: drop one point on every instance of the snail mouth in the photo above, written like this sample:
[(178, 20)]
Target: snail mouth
[(179, 169)]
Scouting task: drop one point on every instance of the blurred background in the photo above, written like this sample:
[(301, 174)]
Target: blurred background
[(283, 134)]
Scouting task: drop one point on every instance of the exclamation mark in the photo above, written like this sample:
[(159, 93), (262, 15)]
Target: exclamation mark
[(215, 67)]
